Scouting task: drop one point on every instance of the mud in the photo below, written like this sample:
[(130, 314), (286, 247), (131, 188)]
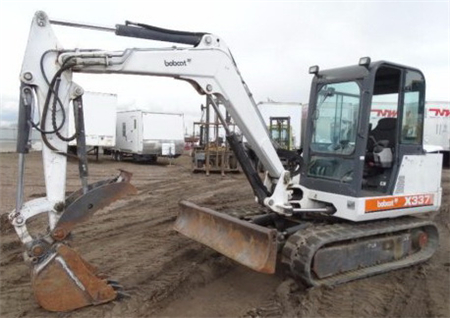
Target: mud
[(168, 275)]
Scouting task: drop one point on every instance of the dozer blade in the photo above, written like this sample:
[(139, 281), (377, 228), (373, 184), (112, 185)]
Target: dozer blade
[(63, 281), (249, 244)]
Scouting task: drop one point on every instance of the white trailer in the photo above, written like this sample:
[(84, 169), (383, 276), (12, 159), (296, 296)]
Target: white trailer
[(145, 135), (437, 125), (99, 121)]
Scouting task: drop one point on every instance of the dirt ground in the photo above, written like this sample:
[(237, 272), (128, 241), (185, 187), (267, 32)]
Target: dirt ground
[(168, 275)]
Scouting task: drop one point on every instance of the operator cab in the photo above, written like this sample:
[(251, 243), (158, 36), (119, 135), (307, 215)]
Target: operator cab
[(362, 120)]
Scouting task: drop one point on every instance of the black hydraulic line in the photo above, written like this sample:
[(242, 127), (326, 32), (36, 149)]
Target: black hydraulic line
[(54, 126), (46, 107), (253, 178), (54, 91), (293, 229), (294, 160), (51, 90), (266, 219), (38, 126), (144, 31)]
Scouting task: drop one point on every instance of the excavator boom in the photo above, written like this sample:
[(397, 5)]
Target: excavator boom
[(47, 86)]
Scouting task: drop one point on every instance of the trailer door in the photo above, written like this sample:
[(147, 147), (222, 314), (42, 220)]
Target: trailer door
[(127, 133)]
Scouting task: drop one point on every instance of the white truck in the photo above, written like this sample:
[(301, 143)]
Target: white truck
[(99, 122), (144, 136)]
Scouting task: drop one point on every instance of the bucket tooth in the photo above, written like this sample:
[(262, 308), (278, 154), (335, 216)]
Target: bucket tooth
[(248, 244)]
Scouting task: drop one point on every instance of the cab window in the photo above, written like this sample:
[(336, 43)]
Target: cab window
[(336, 118), (413, 108)]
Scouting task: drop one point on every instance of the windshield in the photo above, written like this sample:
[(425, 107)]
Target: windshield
[(335, 118)]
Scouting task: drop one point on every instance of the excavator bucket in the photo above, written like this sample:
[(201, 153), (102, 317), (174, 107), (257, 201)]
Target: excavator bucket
[(65, 282), (249, 244), (62, 280)]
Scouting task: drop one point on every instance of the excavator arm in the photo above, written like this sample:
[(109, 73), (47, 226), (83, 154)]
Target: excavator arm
[(47, 89)]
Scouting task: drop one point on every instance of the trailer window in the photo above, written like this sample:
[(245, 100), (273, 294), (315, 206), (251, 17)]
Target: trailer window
[(124, 129)]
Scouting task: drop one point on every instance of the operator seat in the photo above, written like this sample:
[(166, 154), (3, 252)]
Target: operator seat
[(383, 135), (385, 130)]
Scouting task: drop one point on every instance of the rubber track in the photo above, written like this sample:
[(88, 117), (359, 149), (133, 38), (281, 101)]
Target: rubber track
[(300, 248)]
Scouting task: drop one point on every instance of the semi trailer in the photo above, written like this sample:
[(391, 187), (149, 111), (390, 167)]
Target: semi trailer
[(99, 121), (144, 135)]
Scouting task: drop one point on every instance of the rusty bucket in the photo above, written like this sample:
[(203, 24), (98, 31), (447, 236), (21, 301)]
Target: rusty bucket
[(64, 281), (248, 244)]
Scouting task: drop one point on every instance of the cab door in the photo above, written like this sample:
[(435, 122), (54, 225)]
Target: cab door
[(396, 126)]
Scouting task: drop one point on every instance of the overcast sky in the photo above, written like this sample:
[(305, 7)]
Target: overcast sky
[(273, 42)]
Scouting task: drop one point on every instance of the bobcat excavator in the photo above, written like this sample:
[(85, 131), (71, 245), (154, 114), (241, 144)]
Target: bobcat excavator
[(340, 211)]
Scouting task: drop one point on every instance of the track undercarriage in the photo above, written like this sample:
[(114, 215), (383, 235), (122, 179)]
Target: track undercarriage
[(338, 253)]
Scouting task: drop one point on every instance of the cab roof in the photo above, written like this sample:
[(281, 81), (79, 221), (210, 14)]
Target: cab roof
[(355, 71)]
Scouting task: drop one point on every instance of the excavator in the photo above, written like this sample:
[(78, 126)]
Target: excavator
[(355, 203)]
